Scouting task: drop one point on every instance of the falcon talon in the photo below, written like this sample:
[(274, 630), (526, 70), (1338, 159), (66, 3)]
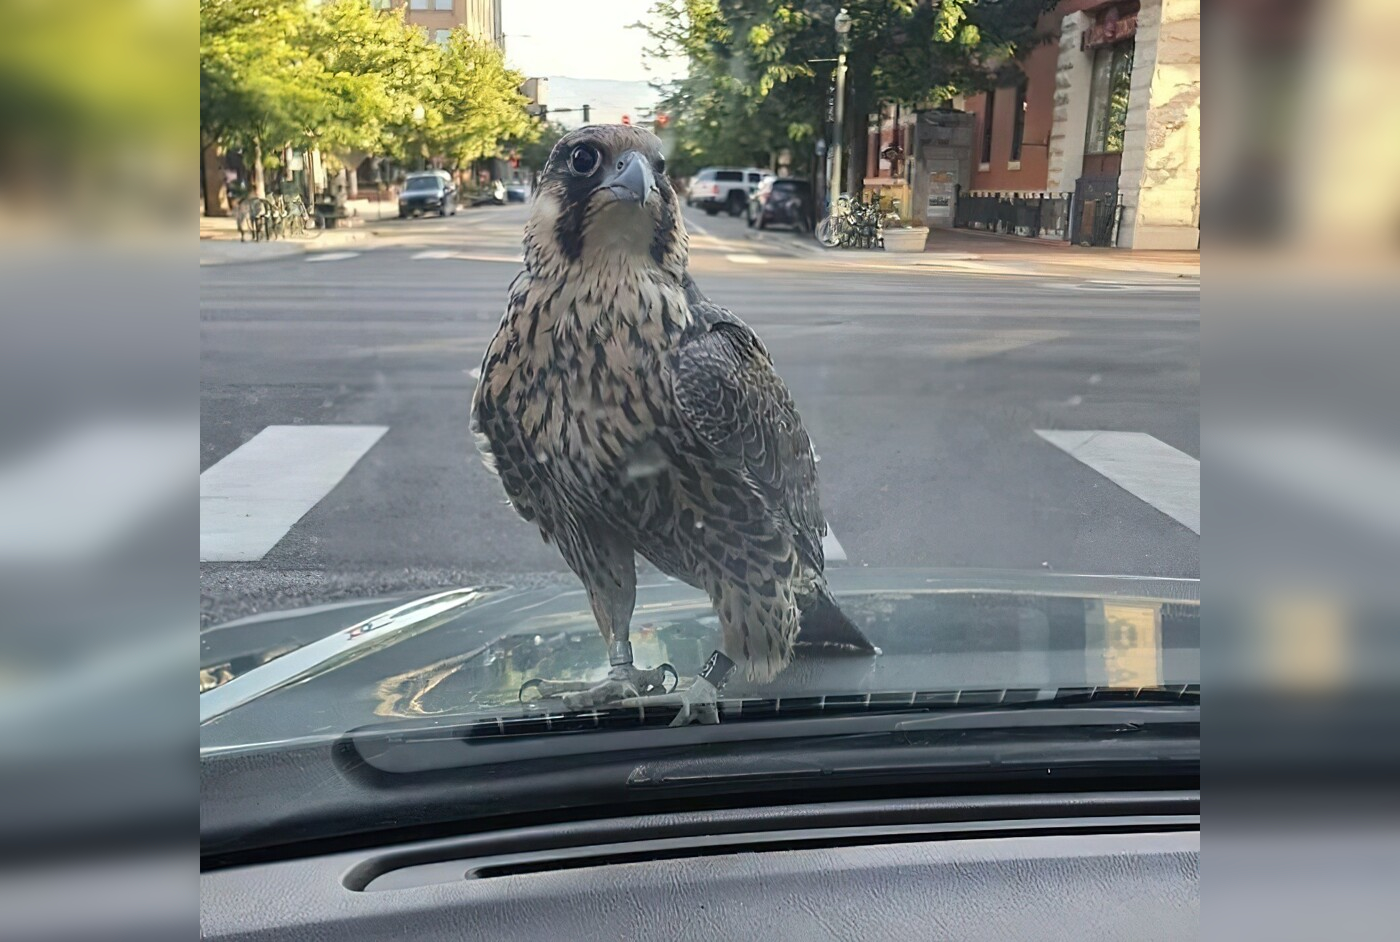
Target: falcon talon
[(623, 681), (697, 702)]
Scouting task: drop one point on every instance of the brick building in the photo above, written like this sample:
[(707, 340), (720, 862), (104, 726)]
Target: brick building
[(481, 17), (1099, 142)]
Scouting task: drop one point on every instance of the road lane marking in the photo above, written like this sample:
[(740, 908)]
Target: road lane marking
[(746, 259), (330, 256), (1001, 341), (442, 255), (1181, 287), (832, 548), (251, 498), (1150, 470)]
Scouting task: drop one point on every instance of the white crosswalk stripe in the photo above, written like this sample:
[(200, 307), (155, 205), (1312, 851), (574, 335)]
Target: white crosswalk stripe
[(832, 548), (250, 500), (256, 495), (1150, 470), (331, 256)]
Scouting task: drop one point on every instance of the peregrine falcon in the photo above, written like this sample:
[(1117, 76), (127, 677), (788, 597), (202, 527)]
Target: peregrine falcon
[(625, 413)]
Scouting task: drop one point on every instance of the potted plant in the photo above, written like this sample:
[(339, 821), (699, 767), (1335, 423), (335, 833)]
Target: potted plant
[(903, 234)]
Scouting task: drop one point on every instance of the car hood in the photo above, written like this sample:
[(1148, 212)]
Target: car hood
[(318, 672)]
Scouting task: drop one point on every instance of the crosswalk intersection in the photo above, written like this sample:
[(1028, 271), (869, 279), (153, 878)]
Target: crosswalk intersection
[(254, 496)]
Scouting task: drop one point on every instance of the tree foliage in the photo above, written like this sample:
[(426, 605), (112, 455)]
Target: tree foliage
[(535, 154), (351, 80), (761, 71)]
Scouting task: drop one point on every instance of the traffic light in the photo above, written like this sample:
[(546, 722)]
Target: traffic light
[(627, 120), (662, 120)]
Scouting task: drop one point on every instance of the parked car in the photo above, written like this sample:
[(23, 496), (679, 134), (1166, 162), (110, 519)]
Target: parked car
[(432, 191), (785, 201), (726, 188), (517, 193)]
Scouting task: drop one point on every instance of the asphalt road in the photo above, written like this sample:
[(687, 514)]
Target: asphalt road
[(940, 398)]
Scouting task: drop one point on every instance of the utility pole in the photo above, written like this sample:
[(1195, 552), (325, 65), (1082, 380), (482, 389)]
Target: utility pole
[(585, 114), (843, 45)]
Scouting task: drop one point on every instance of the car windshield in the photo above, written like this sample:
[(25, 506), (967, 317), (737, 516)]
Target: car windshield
[(583, 448)]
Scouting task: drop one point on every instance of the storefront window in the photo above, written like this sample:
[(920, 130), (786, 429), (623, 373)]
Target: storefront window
[(987, 114), (1108, 98), (1018, 128)]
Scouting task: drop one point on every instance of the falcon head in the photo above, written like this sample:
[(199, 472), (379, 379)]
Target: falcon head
[(604, 200)]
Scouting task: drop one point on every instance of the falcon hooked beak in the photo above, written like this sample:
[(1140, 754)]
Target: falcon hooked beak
[(631, 180)]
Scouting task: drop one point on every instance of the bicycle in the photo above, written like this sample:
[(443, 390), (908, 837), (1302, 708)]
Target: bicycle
[(833, 229), (297, 220), (255, 220), (854, 224)]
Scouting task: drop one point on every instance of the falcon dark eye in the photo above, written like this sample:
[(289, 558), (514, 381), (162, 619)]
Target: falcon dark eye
[(583, 160), (661, 165)]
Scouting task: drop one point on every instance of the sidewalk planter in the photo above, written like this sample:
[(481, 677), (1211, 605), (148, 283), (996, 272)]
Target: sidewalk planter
[(906, 240)]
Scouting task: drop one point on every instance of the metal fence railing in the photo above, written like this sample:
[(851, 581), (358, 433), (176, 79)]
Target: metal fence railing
[(1032, 215)]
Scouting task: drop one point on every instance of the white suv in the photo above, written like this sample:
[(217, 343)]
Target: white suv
[(726, 188)]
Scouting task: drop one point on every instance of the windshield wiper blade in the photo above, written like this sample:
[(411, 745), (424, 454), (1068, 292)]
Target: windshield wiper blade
[(931, 704), (515, 734)]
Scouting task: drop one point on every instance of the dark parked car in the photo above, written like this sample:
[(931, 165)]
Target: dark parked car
[(785, 201), (431, 192)]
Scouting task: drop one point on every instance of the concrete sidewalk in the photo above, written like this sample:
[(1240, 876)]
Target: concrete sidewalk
[(970, 251), (990, 246), (219, 242)]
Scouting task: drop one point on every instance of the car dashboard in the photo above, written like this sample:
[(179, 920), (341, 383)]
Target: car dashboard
[(1043, 867)]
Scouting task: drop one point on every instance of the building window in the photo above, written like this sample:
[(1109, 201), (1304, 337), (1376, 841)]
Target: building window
[(442, 36), (380, 4), (987, 114), (1108, 98), (418, 4), (1018, 128), (443, 5)]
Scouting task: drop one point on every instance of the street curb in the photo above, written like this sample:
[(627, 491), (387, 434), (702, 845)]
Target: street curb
[(242, 253)]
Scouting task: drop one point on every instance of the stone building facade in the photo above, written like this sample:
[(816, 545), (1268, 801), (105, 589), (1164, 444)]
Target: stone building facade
[(1101, 141)]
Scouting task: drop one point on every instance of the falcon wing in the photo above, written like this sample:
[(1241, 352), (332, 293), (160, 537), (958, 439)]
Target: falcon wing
[(733, 401), (498, 438)]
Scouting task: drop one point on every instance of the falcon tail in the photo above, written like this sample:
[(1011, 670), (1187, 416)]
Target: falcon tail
[(823, 624)]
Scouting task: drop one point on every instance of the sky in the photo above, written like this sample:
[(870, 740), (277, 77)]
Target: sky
[(586, 39)]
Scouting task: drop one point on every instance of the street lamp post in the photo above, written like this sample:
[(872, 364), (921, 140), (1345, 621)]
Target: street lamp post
[(843, 45)]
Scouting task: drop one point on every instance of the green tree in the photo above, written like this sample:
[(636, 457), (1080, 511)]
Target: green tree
[(350, 80), (761, 70), (369, 75), (474, 102), (534, 154), (248, 74)]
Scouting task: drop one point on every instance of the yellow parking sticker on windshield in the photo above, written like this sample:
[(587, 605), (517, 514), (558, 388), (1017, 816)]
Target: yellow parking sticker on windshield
[(1132, 650)]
